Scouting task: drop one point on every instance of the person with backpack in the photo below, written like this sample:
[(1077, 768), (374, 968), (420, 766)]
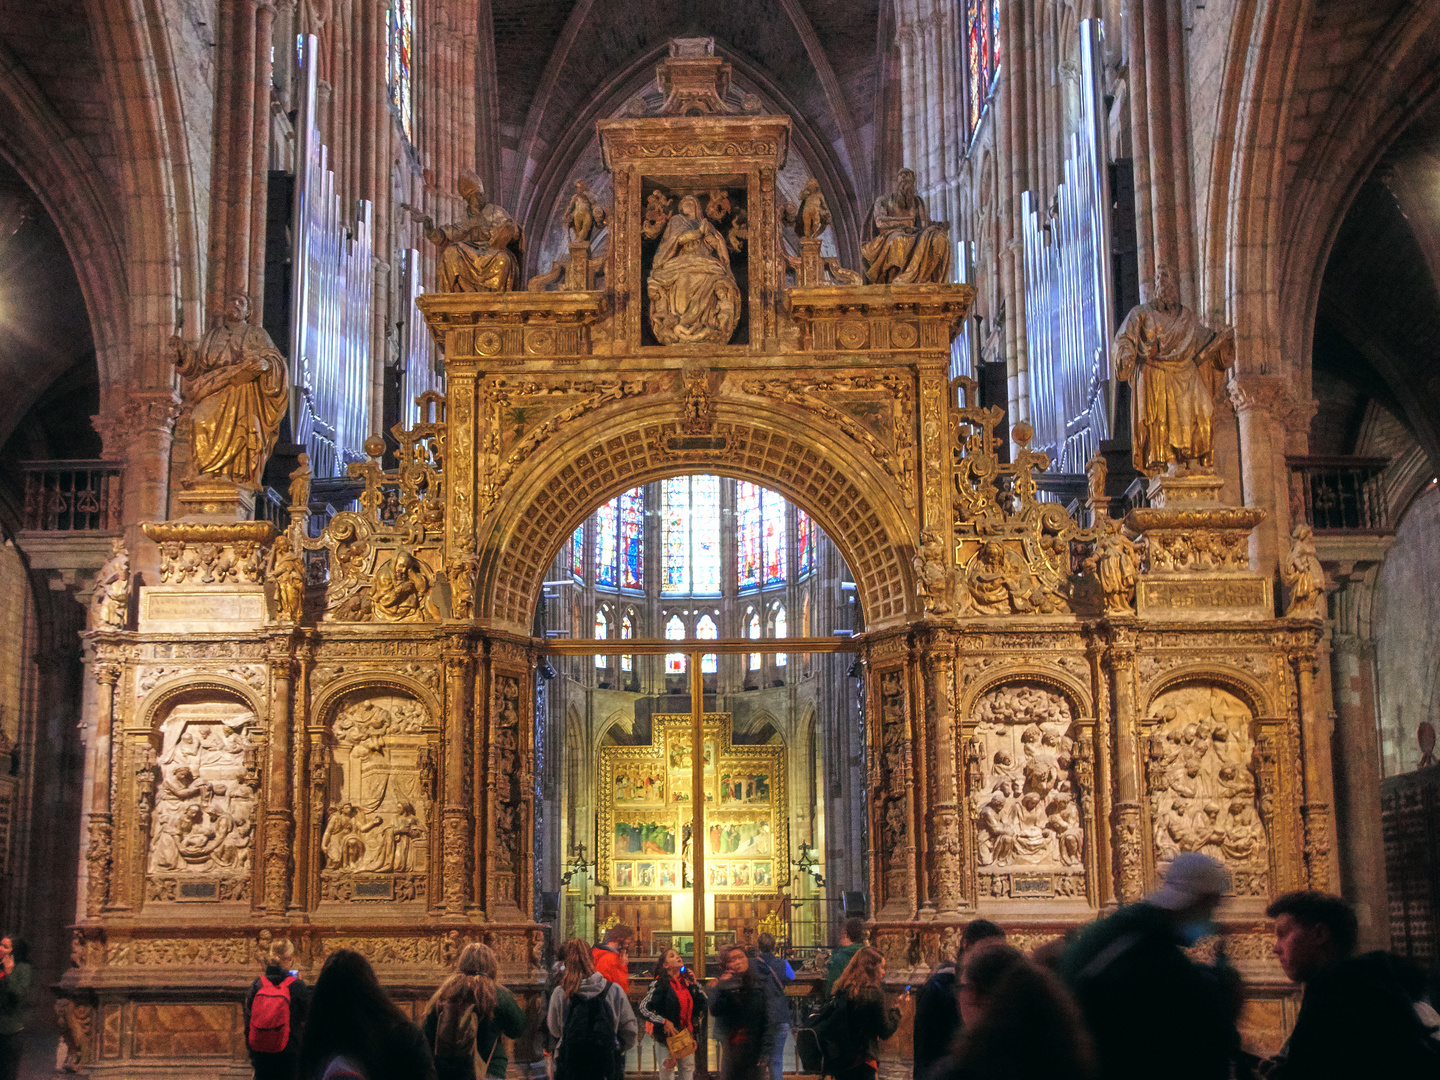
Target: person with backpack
[(275, 1008), (1358, 1017), (468, 1019), (674, 1003), (741, 1014), (937, 1012), (775, 973), (592, 1018), (17, 980), (860, 1018), (355, 1032)]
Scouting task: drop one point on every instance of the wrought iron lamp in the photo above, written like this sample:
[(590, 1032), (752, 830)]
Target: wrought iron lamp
[(807, 864)]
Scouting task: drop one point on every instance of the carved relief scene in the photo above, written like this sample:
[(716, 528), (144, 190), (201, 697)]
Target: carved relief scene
[(1024, 796), (376, 780), (1204, 791)]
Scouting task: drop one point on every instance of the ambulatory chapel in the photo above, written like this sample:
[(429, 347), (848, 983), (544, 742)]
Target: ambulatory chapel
[(489, 471)]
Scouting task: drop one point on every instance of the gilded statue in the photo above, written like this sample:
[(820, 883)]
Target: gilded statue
[(1116, 565), (110, 602), (237, 394), (287, 571), (584, 215), (481, 253), (693, 295), (1304, 576), (907, 248), (401, 589), (300, 484), (812, 216), (1174, 365), (934, 580)]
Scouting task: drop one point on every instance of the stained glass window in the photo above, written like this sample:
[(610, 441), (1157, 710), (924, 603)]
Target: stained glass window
[(782, 629), (690, 535), (577, 553), (760, 530), (602, 631), (804, 543), (753, 632), (620, 542), (675, 661), (401, 34), (706, 630), (982, 54), (675, 535), (607, 520), (705, 533), (627, 631)]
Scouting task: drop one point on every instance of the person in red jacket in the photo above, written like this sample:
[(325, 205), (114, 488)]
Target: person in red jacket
[(612, 956)]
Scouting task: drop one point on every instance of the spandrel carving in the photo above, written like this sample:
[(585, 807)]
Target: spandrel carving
[(204, 801), (377, 794), (1024, 794), (1203, 790)]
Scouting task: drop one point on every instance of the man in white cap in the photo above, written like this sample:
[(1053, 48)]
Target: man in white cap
[(1151, 1009)]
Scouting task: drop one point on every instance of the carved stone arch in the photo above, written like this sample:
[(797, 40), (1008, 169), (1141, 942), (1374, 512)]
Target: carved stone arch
[(1062, 683), (168, 694), (619, 718), (1240, 683), (328, 701), (842, 490), (761, 719)]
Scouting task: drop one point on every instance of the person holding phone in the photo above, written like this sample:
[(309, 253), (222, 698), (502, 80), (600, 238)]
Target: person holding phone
[(674, 1004)]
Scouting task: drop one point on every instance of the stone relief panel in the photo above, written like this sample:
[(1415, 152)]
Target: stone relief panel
[(891, 802), (378, 781), (507, 789), (1203, 787), (1025, 796), (203, 809)]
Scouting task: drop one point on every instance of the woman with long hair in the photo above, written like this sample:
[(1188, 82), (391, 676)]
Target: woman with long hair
[(468, 1019), (860, 997), (17, 980), (592, 1018), (673, 1004), (1020, 1023), (355, 1032), (742, 1015)]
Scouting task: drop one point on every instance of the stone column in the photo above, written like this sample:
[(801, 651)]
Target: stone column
[(279, 814), (1125, 818), (99, 855), (1357, 788), (945, 819), (455, 834), (1316, 772), (138, 429), (1258, 401)]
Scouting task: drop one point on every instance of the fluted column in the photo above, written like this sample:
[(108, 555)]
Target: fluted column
[(1128, 841)]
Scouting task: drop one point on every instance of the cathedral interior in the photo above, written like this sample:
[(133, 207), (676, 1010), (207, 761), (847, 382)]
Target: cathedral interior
[(997, 433)]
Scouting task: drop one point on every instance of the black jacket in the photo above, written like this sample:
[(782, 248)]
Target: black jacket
[(1147, 1004), (661, 1003), (299, 1008), (1357, 1020), (937, 1020), (740, 1010), (867, 1021)]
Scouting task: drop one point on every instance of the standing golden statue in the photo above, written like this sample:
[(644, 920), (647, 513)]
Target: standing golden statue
[(907, 248), (238, 392), (481, 253), (693, 295), (1174, 365)]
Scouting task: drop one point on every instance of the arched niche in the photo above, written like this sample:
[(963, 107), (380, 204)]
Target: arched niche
[(1029, 766), (1204, 781), (373, 795), (202, 809)]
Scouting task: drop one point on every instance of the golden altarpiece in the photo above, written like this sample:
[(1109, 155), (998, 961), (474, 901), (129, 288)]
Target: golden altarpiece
[(1056, 707)]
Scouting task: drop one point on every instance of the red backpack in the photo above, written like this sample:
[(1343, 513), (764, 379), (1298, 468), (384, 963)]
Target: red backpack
[(270, 1017)]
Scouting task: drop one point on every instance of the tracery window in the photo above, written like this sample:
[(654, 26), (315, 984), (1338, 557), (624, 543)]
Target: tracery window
[(982, 54), (675, 631), (627, 631), (602, 631), (752, 630), (690, 535), (401, 34), (620, 542), (804, 543), (706, 630), (782, 629), (760, 535), (577, 554)]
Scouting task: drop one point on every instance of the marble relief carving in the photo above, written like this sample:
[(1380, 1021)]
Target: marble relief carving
[(378, 801), (1023, 794), (203, 810), (1203, 786)]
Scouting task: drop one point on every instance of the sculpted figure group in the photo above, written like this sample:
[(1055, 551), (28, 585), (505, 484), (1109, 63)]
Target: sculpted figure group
[(203, 819)]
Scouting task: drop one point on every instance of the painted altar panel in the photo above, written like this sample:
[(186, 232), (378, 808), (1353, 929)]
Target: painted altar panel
[(645, 811)]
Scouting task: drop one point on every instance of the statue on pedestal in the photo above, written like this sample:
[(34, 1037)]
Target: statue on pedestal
[(110, 602), (693, 295), (1304, 576), (907, 248), (481, 253), (1174, 365), (584, 214), (238, 392)]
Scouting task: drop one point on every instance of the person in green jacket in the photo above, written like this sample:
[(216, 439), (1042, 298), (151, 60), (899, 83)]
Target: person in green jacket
[(852, 940), (468, 1019), (17, 979)]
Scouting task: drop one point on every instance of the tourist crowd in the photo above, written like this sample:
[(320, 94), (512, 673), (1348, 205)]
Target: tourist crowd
[(1124, 998)]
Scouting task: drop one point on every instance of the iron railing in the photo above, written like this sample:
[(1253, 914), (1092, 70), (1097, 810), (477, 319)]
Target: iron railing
[(1340, 494), (72, 496)]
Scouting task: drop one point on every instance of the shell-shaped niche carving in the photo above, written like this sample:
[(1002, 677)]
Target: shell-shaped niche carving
[(203, 809), (376, 782), (1024, 794), (1203, 790)]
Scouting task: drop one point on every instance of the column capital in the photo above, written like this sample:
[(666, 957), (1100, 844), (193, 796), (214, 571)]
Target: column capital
[(1249, 391), (127, 416)]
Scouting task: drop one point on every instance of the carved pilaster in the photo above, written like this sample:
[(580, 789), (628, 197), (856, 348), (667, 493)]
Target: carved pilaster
[(1126, 816), (946, 829), (1316, 771), (279, 819), (456, 829), (892, 781)]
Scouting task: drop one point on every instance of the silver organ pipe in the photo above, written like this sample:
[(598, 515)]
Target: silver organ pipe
[(421, 367)]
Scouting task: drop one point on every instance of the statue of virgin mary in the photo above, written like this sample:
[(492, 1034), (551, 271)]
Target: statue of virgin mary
[(693, 295)]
